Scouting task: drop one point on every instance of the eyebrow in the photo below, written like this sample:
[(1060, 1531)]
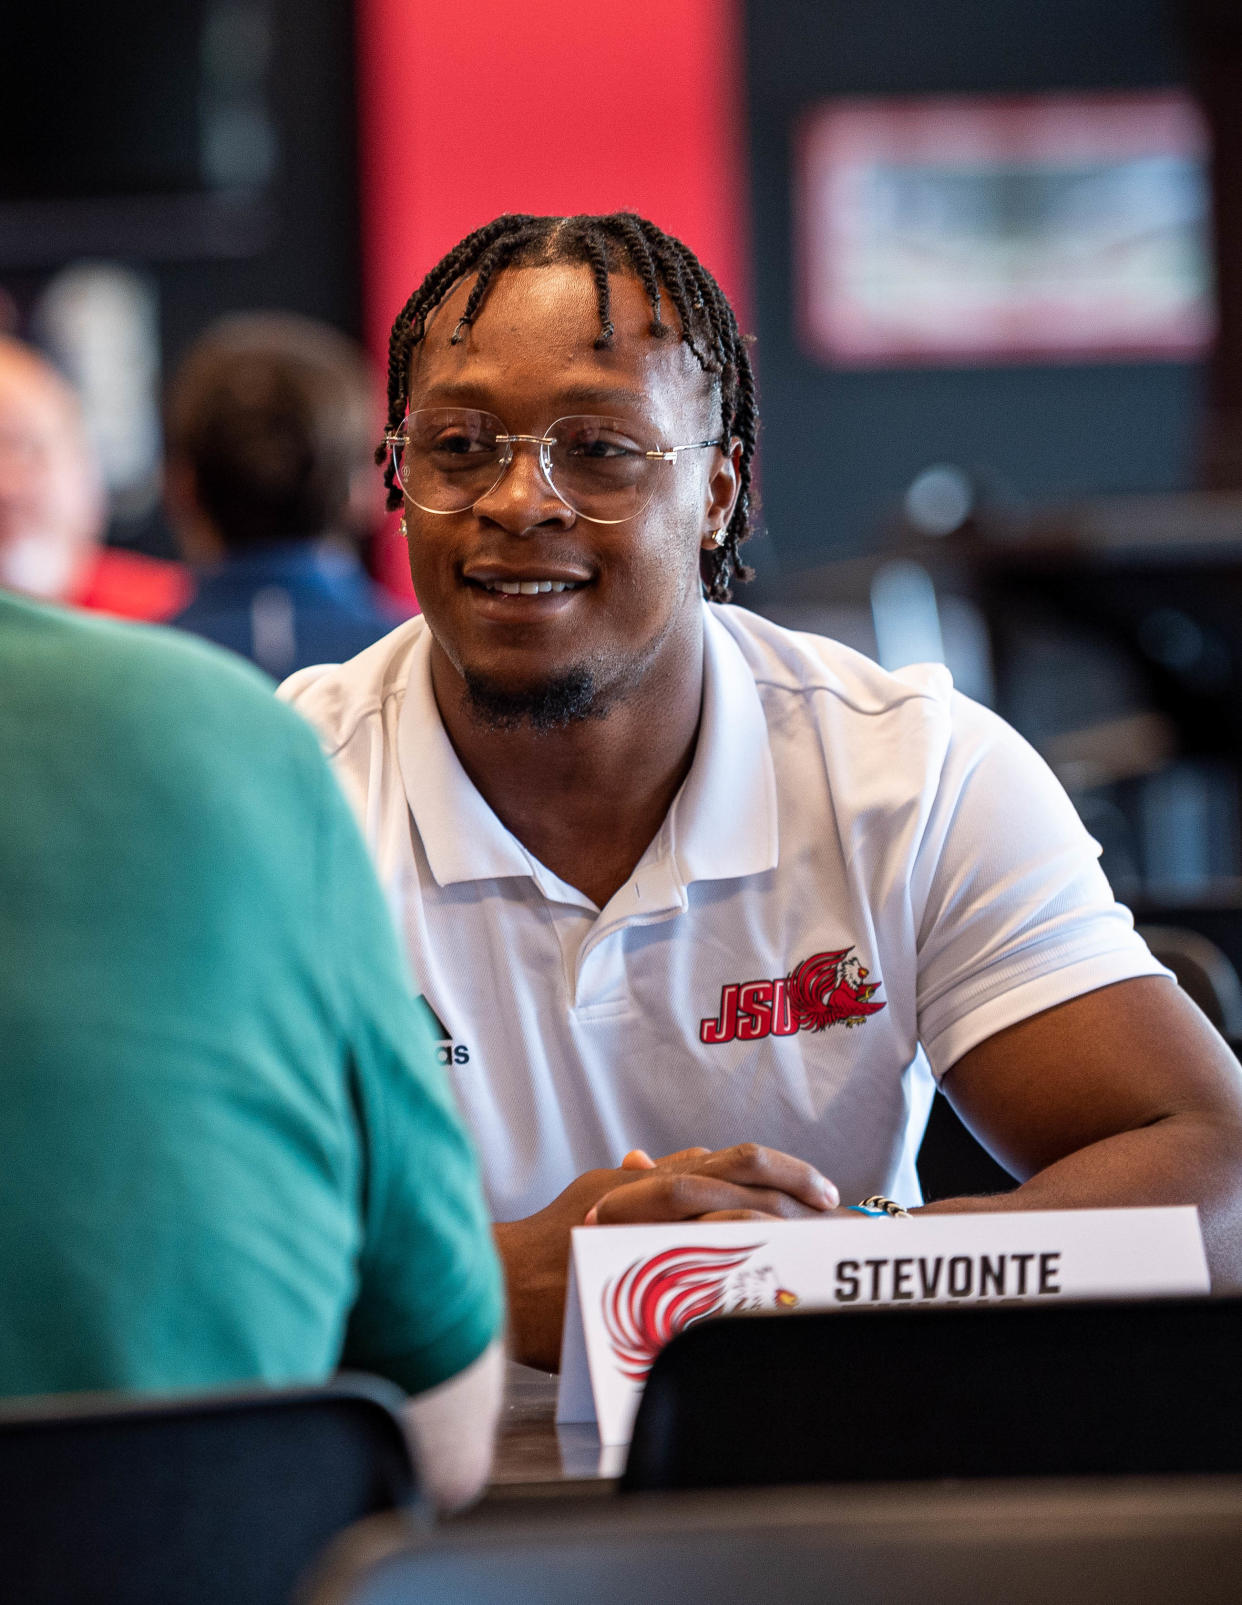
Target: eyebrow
[(466, 394)]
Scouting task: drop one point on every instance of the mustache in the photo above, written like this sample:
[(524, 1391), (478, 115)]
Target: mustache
[(552, 552)]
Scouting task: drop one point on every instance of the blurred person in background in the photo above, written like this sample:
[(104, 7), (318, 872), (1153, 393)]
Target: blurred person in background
[(53, 510), (269, 430), (227, 1152)]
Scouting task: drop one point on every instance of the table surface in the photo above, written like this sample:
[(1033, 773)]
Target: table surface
[(531, 1449)]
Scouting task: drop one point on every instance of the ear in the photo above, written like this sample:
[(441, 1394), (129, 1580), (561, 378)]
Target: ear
[(364, 508), (722, 492), (178, 486), (196, 537)]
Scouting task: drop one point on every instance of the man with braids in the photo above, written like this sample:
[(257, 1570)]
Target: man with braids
[(670, 875)]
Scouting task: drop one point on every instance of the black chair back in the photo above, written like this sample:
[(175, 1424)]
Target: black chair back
[(215, 1498), (1073, 1389), (1159, 1543), (1203, 970)]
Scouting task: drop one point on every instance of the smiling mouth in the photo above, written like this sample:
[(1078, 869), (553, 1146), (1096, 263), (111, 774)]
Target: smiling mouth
[(528, 587)]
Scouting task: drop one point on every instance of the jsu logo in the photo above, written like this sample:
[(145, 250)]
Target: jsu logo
[(824, 990)]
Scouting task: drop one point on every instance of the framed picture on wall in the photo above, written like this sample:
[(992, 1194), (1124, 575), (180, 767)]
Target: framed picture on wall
[(993, 229)]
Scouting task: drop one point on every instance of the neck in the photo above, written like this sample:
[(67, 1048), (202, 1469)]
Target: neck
[(586, 799), (45, 568)]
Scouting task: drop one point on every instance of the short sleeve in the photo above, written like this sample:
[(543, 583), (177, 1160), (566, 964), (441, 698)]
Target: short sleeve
[(1014, 914), (429, 1297)]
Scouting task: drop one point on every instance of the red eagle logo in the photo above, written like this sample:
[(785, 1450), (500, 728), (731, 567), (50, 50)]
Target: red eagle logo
[(663, 1294), (828, 988)]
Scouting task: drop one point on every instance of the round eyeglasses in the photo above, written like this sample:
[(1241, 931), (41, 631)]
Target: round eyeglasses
[(447, 459)]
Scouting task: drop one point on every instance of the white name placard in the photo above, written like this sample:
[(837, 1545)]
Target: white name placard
[(632, 1287)]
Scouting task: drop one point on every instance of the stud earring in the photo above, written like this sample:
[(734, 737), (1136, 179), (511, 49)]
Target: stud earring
[(720, 536), (405, 534)]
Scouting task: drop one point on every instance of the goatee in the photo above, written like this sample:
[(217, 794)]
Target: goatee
[(566, 700)]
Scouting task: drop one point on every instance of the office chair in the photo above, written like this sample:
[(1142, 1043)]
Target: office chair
[(1203, 970), (212, 1498), (1161, 1542), (1060, 1389)]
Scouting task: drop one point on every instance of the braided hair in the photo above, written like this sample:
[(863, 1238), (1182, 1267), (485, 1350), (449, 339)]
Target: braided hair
[(619, 241)]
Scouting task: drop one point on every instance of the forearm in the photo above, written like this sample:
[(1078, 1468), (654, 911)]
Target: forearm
[(535, 1281), (452, 1429), (1181, 1159)]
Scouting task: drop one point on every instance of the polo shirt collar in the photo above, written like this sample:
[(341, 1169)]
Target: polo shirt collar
[(724, 819), (723, 822), (462, 837)]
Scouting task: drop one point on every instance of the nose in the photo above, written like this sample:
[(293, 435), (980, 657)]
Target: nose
[(522, 501)]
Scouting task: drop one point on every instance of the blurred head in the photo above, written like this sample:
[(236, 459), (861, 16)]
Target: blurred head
[(269, 426), (52, 509)]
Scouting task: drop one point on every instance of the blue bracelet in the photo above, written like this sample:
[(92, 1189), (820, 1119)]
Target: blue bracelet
[(877, 1204)]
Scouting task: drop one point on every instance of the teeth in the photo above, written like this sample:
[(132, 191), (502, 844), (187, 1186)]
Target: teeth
[(530, 587)]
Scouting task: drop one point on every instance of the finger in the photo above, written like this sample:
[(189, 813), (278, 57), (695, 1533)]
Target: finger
[(638, 1159), (669, 1195), (683, 1153), (748, 1164), (738, 1214)]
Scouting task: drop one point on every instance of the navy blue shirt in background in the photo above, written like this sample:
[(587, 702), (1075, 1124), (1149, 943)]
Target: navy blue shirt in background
[(288, 606)]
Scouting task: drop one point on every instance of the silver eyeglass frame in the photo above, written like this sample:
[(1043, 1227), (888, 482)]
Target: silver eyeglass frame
[(393, 439)]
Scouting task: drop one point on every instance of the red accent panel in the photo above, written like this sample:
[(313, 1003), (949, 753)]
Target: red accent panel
[(553, 106), (130, 585)]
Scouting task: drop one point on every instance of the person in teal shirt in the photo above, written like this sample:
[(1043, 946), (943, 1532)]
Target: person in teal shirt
[(227, 1153)]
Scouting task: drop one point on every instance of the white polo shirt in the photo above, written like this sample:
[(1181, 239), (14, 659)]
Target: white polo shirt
[(863, 876)]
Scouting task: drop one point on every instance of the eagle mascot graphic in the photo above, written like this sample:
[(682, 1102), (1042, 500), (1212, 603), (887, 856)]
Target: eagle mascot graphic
[(664, 1293), (829, 988)]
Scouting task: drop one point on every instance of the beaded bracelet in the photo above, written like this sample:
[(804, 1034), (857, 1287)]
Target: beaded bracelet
[(877, 1204)]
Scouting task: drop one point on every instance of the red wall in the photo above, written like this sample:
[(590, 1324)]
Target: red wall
[(471, 109)]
